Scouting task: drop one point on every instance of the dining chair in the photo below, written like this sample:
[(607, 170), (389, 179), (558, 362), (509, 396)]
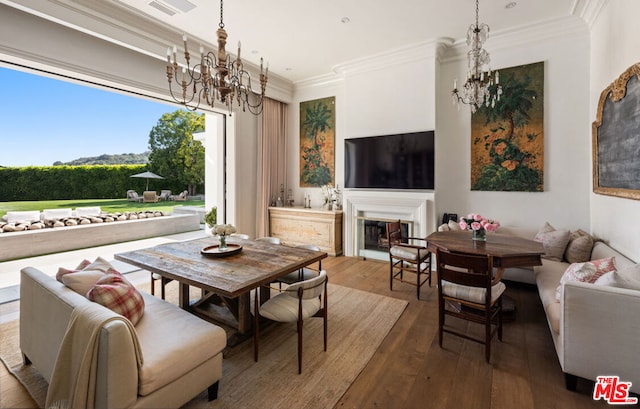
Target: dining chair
[(295, 303), (304, 273), (404, 256), (163, 282), (272, 240), (467, 290)]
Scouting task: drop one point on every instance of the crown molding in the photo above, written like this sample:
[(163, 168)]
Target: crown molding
[(523, 36), (424, 50)]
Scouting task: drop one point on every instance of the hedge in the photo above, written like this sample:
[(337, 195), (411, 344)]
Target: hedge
[(76, 182)]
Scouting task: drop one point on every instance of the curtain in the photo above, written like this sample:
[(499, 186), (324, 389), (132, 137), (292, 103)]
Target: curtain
[(272, 147)]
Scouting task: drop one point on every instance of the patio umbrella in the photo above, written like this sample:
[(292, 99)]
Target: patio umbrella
[(147, 175)]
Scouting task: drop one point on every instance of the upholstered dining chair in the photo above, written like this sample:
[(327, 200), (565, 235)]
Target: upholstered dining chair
[(467, 290), (272, 240), (304, 273), (406, 257), (163, 282), (296, 303)]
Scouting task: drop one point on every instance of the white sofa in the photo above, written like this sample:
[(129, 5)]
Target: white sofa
[(182, 353), (595, 328)]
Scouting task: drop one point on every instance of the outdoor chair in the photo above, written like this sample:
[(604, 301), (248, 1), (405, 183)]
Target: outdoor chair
[(181, 197), (467, 290), (165, 194), (295, 303), (150, 196), (132, 196), (405, 257)]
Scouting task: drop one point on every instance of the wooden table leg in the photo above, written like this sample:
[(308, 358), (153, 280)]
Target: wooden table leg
[(244, 313), (183, 296)]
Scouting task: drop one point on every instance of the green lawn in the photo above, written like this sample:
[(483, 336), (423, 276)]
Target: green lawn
[(106, 205)]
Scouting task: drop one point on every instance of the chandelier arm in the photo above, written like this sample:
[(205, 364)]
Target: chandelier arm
[(216, 78)]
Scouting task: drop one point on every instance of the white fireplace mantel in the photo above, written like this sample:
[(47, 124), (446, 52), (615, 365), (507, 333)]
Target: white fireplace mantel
[(414, 207)]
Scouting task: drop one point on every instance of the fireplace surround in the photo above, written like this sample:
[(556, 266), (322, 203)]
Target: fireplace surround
[(415, 209)]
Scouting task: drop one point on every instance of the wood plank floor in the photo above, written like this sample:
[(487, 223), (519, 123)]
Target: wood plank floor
[(410, 370)]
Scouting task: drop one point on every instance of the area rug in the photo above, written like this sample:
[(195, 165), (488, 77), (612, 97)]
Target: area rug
[(358, 322)]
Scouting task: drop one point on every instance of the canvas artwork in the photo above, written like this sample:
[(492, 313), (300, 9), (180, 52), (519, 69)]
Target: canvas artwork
[(507, 141), (317, 142)]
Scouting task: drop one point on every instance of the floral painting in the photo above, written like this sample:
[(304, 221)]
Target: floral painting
[(507, 141), (317, 142)]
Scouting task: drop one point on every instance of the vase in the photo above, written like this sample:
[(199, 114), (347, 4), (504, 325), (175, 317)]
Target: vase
[(480, 235), (223, 242)]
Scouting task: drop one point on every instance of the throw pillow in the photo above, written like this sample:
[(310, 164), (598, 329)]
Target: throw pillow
[(454, 226), (62, 271), (588, 272), (554, 242), (82, 281), (579, 247), (119, 295)]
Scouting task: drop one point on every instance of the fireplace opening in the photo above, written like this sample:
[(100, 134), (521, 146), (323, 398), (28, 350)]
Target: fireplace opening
[(375, 235)]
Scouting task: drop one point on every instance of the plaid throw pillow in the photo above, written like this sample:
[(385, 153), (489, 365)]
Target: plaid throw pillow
[(119, 295)]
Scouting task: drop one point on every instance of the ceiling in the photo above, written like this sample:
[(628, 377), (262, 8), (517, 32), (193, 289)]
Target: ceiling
[(303, 39), (306, 39)]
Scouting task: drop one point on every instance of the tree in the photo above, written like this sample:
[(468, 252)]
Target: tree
[(174, 153)]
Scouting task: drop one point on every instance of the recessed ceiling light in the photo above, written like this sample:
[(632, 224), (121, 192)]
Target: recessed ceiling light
[(288, 69), (510, 5), (345, 20), (254, 51)]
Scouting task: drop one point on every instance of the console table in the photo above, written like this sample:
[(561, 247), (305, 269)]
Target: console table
[(299, 225)]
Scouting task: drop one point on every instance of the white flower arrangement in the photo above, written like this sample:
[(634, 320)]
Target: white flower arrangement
[(223, 229), (331, 194)]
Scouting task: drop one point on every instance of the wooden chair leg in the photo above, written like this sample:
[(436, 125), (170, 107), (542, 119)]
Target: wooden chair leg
[(300, 323), (500, 319), (212, 391), (487, 335), (256, 314), (391, 275)]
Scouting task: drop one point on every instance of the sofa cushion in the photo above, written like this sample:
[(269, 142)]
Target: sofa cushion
[(22, 216), (119, 295), (554, 242), (579, 247), (88, 211), (56, 213), (164, 333)]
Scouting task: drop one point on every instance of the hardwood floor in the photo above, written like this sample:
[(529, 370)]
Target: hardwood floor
[(410, 370)]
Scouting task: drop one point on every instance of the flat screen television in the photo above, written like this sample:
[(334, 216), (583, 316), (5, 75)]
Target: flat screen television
[(399, 161)]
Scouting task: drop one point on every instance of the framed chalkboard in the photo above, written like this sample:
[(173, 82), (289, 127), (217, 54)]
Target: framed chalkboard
[(616, 137)]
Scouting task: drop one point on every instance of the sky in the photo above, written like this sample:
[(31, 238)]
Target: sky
[(45, 120)]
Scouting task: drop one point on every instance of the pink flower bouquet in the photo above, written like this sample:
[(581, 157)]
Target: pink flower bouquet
[(476, 222)]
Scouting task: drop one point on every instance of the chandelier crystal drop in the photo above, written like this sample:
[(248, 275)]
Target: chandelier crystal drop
[(482, 86), (214, 77)]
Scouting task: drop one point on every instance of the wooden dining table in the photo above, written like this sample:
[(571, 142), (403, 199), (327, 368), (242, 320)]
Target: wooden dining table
[(506, 251), (226, 280)]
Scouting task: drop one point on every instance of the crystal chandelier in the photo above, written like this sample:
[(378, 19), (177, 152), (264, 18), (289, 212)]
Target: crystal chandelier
[(215, 77), (480, 88)]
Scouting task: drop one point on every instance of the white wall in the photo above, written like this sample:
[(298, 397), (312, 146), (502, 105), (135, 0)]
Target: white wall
[(377, 96), (615, 46), (420, 99), (564, 201)]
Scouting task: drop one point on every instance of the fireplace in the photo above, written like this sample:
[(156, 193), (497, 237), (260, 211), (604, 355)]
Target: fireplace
[(375, 234), (367, 212)]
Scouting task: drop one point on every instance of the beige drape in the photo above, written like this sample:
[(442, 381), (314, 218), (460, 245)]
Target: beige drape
[(272, 147)]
